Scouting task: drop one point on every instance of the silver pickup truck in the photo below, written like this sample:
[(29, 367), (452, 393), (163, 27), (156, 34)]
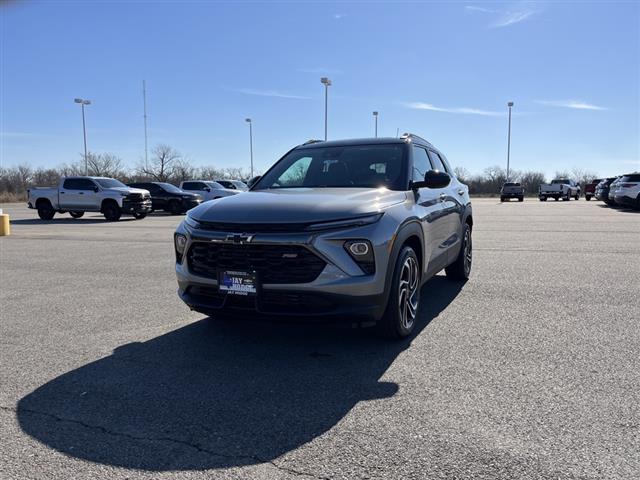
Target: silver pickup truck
[(560, 188), (78, 195)]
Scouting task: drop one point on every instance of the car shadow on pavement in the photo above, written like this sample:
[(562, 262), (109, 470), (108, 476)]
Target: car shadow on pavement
[(65, 221), (217, 394)]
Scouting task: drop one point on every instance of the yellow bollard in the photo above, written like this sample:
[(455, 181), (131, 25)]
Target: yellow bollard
[(5, 226)]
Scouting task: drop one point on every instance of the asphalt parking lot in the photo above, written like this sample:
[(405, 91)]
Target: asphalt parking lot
[(529, 370)]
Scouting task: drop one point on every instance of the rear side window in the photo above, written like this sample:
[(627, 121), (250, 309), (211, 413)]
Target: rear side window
[(193, 186), (78, 184), (634, 177), (436, 161), (421, 164)]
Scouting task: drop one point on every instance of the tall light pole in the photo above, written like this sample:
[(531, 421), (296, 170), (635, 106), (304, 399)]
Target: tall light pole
[(327, 83), (510, 104), (82, 103), (375, 115), (248, 120), (144, 104)]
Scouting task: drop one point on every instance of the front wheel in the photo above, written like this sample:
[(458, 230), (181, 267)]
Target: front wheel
[(140, 215), (175, 207), (461, 268), (587, 197), (111, 212), (521, 199), (76, 214), (400, 315)]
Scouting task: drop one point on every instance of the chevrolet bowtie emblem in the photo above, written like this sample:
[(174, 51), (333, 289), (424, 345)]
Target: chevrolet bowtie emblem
[(239, 238)]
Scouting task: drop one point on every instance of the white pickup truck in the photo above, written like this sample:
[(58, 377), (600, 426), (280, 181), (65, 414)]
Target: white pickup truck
[(560, 188), (77, 195)]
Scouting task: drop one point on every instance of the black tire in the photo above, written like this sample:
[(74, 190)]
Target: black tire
[(577, 197), (401, 313), (543, 199), (76, 214), (587, 197), (556, 198), (111, 212), (637, 207), (461, 268), (139, 215), (521, 199), (175, 207), (502, 199), (45, 210)]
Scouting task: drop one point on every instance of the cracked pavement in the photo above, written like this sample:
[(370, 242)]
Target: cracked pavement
[(529, 370)]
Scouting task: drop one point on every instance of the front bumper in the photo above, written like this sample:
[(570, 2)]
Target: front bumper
[(144, 206), (341, 291)]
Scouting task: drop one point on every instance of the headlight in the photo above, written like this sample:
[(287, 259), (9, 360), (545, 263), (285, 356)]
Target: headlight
[(193, 223), (362, 253), (351, 222), (180, 242)]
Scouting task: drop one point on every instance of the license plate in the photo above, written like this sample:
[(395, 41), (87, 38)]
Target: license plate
[(238, 283)]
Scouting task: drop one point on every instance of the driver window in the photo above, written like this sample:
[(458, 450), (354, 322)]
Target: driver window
[(294, 175), (421, 164)]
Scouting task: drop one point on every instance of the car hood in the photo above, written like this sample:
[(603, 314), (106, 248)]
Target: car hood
[(126, 190), (297, 205)]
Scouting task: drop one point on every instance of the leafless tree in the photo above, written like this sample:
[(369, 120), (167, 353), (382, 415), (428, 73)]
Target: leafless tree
[(105, 165), (160, 167)]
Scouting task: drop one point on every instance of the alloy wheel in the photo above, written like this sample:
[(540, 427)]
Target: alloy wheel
[(408, 292)]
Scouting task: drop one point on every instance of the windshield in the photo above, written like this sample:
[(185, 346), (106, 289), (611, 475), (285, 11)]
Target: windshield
[(240, 185), (511, 184), (214, 185), (555, 182), (354, 166), (169, 188), (109, 183)]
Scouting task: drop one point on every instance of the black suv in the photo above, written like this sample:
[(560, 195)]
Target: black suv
[(168, 197)]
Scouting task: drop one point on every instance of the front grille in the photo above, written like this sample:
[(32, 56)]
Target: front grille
[(137, 197), (272, 263)]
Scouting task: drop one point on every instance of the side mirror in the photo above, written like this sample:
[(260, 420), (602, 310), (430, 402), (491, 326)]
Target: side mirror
[(207, 189), (96, 189), (433, 179)]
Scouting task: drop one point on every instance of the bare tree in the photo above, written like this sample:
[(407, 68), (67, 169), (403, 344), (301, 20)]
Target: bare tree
[(182, 171), (104, 165), (461, 174), (531, 181), (160, 167), (582, 176)]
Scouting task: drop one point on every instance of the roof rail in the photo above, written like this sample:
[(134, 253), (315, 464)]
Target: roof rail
[(413, 135), (308, 142)]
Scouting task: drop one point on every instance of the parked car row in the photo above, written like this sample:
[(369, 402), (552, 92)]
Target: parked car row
[(621, 191), (560, 188), (112, 198)]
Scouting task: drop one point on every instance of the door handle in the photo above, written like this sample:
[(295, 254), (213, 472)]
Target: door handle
[(80, 193), (61, 193), (442, 197), (460, 192)]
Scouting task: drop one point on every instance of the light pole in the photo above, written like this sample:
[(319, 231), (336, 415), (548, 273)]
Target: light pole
[(510, 104), (248, 120), (327, 83), (82, 103), (375, 115)]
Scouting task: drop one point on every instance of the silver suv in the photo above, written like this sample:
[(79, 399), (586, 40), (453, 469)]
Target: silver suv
[(348, 229)]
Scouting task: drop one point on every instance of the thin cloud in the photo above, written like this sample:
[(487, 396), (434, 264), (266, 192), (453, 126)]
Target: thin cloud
[(474, 8), (338, 16), (576, 104), (459, 110), (270, 93), (505, 18)]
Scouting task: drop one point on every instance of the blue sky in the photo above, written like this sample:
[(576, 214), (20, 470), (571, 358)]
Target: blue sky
[(442, 70)]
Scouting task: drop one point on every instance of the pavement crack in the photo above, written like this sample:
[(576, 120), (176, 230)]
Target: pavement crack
[(195, 446)]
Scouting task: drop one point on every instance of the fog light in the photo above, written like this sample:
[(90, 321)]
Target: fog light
[(359, 248), (362, 253)]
